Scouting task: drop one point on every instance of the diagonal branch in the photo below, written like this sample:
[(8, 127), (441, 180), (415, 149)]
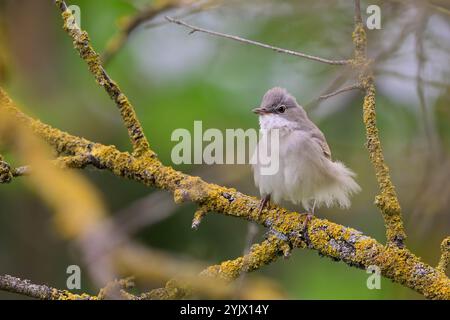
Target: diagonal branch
[(255, 43), (82, 44)]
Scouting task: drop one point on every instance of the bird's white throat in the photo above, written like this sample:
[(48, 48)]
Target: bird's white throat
[(273, 121)]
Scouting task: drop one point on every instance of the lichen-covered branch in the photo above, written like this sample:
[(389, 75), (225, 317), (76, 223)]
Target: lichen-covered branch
[(387, 201), (327, 238), (82, 44)]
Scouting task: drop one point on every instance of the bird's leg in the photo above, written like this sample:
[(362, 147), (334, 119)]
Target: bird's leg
[(263, 203), (313, 207), (309, 217)]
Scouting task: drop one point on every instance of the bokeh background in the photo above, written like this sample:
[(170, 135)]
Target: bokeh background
[(174, 78)]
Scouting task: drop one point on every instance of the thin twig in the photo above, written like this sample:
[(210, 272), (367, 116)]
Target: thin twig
[(116, 43), (396, 74), (255, 43), (345, 89)]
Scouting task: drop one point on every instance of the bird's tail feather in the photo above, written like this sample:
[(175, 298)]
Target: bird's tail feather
[(339, 192)]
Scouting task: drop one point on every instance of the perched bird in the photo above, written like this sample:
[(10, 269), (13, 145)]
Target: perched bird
[(306, 173)]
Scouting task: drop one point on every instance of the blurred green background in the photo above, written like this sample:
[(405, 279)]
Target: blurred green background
[(174, 78)]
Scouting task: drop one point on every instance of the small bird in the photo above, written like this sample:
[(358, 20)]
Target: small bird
[(306, 173)]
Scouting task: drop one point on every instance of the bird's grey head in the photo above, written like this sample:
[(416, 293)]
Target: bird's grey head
[(279, 103)]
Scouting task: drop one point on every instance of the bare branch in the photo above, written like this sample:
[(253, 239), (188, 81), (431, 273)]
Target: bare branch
[(335, 93), (255, 43)]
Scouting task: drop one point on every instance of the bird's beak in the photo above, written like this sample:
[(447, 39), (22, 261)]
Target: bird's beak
[(260, 111)]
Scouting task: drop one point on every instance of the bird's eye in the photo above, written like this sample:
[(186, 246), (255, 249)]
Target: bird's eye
[(281, 108)]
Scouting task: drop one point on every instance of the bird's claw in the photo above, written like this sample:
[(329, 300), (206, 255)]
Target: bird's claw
[(262, 204), (308, 218)]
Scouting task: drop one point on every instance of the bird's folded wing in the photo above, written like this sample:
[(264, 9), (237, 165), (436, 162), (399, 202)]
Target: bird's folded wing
[(318, 136)]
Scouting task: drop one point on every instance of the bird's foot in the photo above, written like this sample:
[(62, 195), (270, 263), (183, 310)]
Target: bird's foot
[(309, 217), (265, 200)]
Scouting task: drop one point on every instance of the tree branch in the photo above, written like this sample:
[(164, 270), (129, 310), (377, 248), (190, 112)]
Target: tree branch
[(255, 43), (82, 44)]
